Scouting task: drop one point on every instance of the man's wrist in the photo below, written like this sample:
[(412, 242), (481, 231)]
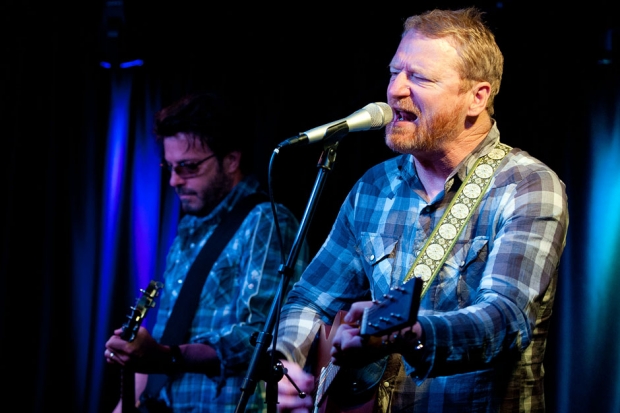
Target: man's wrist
[(175, 360), (405, 341)]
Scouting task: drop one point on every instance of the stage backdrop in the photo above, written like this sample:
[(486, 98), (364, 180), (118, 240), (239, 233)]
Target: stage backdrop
[(87, 216)]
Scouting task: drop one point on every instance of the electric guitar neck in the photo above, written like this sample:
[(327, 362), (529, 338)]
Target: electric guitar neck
[(130, 329)]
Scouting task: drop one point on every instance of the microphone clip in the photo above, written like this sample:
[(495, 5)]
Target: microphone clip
[(333, 134)]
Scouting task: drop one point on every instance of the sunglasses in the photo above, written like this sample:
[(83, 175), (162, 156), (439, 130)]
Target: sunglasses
[(185, 169)]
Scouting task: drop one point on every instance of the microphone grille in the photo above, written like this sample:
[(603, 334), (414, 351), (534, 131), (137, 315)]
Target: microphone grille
[(380, 114)]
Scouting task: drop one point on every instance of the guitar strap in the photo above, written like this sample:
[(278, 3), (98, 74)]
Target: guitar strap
[(184, 309), (461, 208)]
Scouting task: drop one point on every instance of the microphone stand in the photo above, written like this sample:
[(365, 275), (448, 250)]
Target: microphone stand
[(275, 371)]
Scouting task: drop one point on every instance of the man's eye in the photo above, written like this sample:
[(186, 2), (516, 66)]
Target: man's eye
[(189, 166), (419, 78)]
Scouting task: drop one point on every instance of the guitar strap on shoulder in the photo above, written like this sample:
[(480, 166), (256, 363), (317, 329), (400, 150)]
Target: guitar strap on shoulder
[(184, 309), (458, 213)]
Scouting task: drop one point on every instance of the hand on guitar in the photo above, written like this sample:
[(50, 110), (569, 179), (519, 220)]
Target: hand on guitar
[(350, 348), (135, 353), (143, 354), (358, 340), (288, 396)]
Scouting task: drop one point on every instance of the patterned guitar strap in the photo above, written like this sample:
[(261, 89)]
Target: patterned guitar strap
[(444, 236)]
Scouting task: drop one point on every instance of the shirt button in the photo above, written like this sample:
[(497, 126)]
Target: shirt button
[(192, 245), (371, 257)]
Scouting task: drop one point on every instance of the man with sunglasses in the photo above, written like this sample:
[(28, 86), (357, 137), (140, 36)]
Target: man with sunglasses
[(210, 173)]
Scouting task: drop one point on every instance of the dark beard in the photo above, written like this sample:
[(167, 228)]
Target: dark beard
[(219, 188)]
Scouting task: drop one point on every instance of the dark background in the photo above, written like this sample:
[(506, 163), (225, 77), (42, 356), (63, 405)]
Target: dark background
[(288, 68)]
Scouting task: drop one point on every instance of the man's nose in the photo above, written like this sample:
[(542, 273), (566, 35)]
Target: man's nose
[(175, 179), (399, 86)]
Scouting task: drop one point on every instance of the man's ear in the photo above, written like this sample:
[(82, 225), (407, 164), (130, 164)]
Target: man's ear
[(480, 96), (232, 162)]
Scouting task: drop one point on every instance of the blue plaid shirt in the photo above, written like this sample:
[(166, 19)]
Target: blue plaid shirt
[(235, 300), (486, 314)]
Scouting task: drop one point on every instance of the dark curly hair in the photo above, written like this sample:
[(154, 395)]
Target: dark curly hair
[(208, 118)]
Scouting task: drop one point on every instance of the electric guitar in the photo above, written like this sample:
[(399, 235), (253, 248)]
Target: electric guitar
[(130, 329), (353, 390)]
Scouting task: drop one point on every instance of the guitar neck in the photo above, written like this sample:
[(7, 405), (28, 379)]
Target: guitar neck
[(130, 330), (128, 391)]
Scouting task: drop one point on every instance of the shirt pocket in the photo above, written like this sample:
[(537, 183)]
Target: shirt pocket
[(378, 252), (460, 276)]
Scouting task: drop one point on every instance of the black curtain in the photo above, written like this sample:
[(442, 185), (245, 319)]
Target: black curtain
[(87, 218)]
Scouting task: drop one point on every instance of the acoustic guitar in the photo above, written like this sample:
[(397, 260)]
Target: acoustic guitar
[(130, 329), (353, 390)]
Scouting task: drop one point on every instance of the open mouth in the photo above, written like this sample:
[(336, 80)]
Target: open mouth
[(404, 116)]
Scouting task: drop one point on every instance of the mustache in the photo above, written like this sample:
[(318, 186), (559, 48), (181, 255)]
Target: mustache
[(403, 105), (184, 191)]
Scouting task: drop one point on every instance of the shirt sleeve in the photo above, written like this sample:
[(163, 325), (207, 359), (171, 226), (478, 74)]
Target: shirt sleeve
[(332, 281)]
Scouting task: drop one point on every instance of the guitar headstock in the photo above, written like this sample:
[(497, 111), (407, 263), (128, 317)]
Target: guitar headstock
[(138, 312), (397, 309)]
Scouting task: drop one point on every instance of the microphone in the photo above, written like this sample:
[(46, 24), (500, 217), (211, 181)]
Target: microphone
[(372, 116)]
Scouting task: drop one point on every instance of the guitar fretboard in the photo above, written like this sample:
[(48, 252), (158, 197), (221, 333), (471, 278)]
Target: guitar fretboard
[(327, 376)]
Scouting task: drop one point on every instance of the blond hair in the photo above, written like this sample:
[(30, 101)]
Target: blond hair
[(481, 58)]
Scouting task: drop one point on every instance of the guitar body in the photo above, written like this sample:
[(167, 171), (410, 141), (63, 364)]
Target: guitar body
[(130, 329), (354, 390), (343, 390)]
